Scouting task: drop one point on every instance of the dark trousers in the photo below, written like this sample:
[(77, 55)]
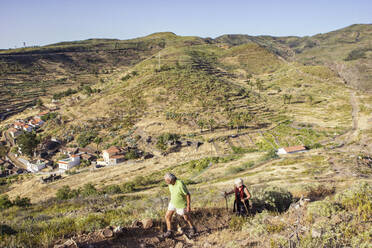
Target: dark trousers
[(240, 209)]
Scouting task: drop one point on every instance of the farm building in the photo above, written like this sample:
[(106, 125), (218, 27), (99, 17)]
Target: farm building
[(291, 149)]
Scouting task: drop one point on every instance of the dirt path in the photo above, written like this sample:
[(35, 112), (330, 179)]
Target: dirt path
[(206, 221), (355, 110)]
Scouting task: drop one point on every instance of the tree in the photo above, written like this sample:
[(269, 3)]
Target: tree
[(39, 103), (201, 124), (97, 141), (211, 123), (28, 142)]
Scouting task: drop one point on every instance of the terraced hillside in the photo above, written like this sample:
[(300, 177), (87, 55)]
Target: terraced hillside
[(209, 111)]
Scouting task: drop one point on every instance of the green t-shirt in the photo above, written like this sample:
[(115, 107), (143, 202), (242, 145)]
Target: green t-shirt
[(178, 194)]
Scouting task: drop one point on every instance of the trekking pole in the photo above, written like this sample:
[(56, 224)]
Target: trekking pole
[(245, 205)]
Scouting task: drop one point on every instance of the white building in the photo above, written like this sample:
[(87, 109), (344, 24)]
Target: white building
[(36, 122), (114, 155), (35, 166), (66, 164), (292, 149)]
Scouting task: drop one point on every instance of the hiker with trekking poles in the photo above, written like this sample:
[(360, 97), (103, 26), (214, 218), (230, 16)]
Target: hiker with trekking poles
[(242, 196), (180, 203)]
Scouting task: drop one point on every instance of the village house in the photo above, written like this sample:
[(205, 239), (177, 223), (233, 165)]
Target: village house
[(14, 132), (36, 122), (291, 149), (20, 125), (37, 165), (66, 164), (114, 155), (41, 114)]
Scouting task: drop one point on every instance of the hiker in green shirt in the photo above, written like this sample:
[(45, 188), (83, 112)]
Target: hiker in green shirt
[(179, 203)]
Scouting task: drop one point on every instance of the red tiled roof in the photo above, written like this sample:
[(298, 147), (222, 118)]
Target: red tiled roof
[(117, 156), (294, 149), (18, 123), (113, 150), (43, 113)]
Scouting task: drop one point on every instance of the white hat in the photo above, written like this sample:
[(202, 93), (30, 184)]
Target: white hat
[(238, 182)]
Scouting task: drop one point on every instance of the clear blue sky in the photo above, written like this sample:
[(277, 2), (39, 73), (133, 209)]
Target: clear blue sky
[(40, 22)]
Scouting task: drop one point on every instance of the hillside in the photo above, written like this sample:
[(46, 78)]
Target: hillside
[(209, 111), (346, 51)]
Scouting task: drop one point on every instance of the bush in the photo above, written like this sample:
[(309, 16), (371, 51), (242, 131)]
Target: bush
[(272, 198), (112, 189), (127, 187), (91, 223), (22, 202), (85, 138), (65, 193), (358, 53), (236, 223), (359, 199), (323, 208), (5, 202), (270, 155), (89, 190), (162, 140), (49, 116)]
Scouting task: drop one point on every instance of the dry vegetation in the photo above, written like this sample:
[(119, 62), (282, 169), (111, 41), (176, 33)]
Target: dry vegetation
[(240, 101)]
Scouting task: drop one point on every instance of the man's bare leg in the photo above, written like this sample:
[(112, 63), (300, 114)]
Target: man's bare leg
[(168, 219), (187, 218)]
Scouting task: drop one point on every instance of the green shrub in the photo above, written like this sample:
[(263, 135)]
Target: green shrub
[(89, 190), (359, 199), (5, 202), (242, 150), (272, 198), (132, 154), (65, 193), (358, 53), (162, 140), (112, 189), (236, 223), (234, 169), (86, 138), (270, 155), (22, 202), (91, 223), (127, 187), (323, 208)]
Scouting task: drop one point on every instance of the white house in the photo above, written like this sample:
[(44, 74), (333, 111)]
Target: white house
[(14, 132), (36, 122), (27, 128), (291, 149), (66, 164), (114, 155), (37, 165)]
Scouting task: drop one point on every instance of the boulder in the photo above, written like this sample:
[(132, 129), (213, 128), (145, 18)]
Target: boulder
[(147, 223), (107, 232)]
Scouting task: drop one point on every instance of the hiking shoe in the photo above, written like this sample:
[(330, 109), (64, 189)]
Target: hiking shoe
[(167, 234)]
